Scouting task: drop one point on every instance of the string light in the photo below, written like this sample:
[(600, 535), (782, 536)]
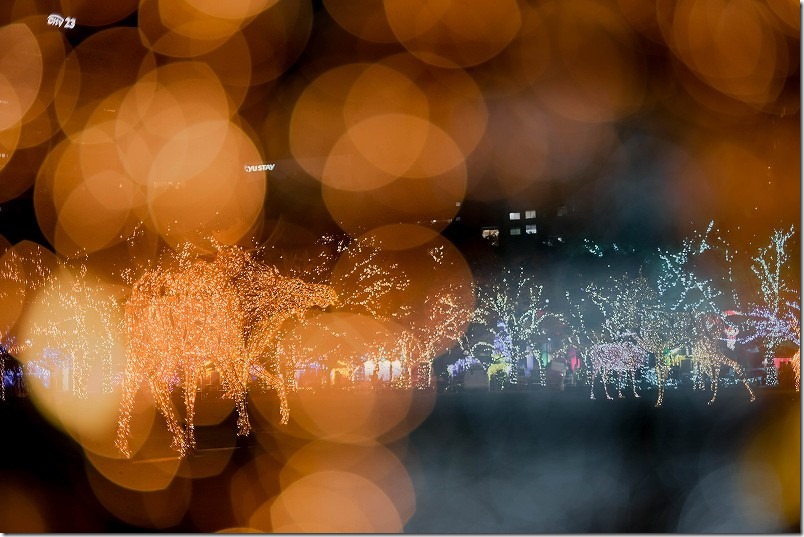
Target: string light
[(225, 312), (622, 303), (9, 347), (229, 312), (511, 311), (770, 319), (680, 286), (623, 358), (709, 358)]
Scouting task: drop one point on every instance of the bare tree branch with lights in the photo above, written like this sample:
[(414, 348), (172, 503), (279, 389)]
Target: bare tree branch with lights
[(680, 284), (367, 284), (442, 326), (511, 310), (773, 317)]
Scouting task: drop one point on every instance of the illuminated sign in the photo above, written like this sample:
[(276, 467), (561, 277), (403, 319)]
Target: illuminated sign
[(259, 167), (54, 19)]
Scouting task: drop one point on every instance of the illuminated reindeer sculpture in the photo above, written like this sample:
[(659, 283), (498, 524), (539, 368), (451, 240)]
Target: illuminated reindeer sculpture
[(620, 301), (268, 300), (662, 332), (609, 354), (622, 357), (179, 320), (708, 357)]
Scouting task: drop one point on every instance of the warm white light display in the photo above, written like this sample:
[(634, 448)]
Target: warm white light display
[(228, 313), (83, 323), (224, 312), (510, 313), (662, 333), (623, 359), (617, 347), (708, 357)]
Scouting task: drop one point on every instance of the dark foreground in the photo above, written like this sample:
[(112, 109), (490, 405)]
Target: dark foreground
[(513, 463), (526, 462)]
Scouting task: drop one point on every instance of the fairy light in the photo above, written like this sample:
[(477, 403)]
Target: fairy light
[(709, 359), (622, 358), (461, 365), (225, 312), (678, 283), (367, 283), (84, 318), (365, 287), (662, 332), (446, 324), (9, 347), (74, 296), (510, 308), (795, 329), (768, 318), (622, 302)]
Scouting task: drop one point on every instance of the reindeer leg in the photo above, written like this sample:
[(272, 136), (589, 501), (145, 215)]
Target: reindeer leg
[(604, 376), (278, 385), (660, 382), (750, 392), (130, 389), (739, 370), (698, 374), (163, 403), (594, 378), (235, 380), (619, 385), (633, 383), (714, 382), (190, 381)]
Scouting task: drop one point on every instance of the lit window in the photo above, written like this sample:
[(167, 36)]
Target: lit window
[(492, 235), (516, 231), (530, 229), (530, 214), (514, 216)]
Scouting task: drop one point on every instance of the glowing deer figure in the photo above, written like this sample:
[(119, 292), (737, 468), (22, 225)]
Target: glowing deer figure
[(176, 321), (708, 357), (179, 320), (663, 333), (268, 300), (623, 358)]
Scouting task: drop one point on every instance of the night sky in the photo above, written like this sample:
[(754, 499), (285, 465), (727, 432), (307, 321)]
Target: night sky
[(681, 154)]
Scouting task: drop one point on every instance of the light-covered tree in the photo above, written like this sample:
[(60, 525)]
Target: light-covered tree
[(510, 312), (773, 315)]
